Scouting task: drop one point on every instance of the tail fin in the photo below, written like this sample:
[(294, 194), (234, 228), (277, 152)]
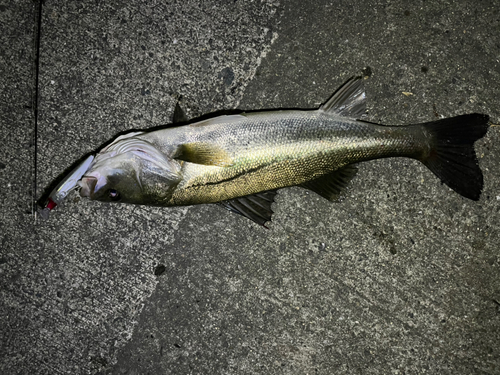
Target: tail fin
[(452, 157)]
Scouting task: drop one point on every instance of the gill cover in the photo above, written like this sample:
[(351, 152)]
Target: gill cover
[(131, 170)]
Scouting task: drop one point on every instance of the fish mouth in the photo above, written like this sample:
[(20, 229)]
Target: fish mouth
[(87, 184)]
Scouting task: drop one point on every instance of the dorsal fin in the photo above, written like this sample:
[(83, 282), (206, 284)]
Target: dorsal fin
[(179, 115), (349, 100), (256, 207), (330, 186)]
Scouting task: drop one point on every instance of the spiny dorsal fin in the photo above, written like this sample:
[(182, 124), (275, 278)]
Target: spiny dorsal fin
[(256, 207), (179, 115), (330, 186), (204, 154), (349, 100)]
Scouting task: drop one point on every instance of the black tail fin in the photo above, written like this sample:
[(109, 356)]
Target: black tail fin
[(452, 157)]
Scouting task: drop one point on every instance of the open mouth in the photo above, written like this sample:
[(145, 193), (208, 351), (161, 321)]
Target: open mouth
[(87, 184)]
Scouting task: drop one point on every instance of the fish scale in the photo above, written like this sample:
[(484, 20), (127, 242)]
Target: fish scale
[(241, 160), (282, 149)]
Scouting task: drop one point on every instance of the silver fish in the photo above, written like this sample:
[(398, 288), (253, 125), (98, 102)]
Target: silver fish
[(241, 160)]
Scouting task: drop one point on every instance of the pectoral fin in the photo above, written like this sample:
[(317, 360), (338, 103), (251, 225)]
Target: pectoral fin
[(204, 154), (330, 186), (256, 207)]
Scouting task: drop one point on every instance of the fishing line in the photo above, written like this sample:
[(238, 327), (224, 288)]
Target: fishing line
[(38, 25)]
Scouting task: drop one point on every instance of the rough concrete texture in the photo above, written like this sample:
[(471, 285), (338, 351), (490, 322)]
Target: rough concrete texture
[(400, 277)]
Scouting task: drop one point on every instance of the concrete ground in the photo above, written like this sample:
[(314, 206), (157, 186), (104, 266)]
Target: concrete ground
[(402, 277)]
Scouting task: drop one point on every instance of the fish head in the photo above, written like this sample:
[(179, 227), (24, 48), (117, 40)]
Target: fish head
[(131, 170)]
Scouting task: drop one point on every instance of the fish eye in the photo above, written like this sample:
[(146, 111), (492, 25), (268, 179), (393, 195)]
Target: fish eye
[(114, 195)]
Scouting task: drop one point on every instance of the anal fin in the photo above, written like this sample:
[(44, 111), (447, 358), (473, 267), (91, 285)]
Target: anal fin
[(256, 207), (330, 186)]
